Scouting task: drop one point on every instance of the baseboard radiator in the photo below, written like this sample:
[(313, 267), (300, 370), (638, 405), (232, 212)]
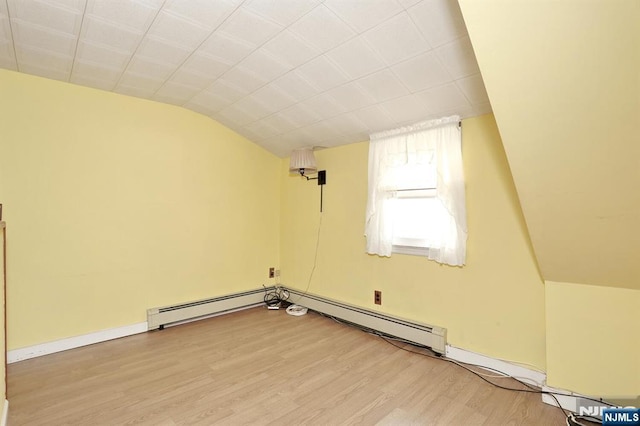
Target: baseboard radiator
[(422, 334), (158, 318)]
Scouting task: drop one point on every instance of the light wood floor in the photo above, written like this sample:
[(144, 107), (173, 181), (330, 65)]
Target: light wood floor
[(259, 367)]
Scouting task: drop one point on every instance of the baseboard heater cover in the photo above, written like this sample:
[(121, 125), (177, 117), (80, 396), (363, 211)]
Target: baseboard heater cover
[(422, 334), (200, 309)]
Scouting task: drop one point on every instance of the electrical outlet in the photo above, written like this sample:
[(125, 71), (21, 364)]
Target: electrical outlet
[(277, 272), (377, 297), (272, 272)]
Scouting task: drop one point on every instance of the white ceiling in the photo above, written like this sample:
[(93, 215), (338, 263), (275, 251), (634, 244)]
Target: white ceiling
[(283, 73)]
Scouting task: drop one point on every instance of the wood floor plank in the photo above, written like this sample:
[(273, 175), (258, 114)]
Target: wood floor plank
[(259, 367)]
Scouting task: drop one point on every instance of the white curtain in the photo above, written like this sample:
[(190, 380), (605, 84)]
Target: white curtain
[(408, 154)]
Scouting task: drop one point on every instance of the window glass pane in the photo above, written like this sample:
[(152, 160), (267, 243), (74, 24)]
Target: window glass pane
[(418, 222)]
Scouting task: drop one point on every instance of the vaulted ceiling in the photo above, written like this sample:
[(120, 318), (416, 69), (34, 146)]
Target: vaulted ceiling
[(283, 73)]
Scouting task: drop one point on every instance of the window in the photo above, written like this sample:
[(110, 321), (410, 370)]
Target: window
[(416, 192)]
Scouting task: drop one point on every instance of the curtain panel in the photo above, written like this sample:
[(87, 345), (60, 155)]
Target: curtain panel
[(404, 159)]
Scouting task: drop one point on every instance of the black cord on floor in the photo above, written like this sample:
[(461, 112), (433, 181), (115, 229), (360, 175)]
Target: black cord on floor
[(569, 418)]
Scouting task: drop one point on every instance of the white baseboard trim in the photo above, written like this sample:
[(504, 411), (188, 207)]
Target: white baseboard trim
[(567, 399), (528, 375), (74, 342), (5, 413)]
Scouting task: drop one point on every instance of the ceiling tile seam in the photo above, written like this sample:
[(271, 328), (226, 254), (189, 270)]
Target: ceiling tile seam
[(195, 50), (356, 34), (56, 31), (322, 119), (75, 50), (455, 82), (385, 20), (351, 80), (433, 50), (57, 5), (13, 39), (326, 92), (141, 39)]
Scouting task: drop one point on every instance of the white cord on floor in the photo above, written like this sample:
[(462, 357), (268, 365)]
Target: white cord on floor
[(296, 310)]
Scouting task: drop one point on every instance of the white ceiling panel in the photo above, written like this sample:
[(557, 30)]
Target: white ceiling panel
[(280, 122), (244, 112), (473, 89), (350, 96), (101, 54), (300, 115), (346, 123), (322, 130), (322, 73), (265, 65), (356, 58), (247, 80), (296, 86), (176, 89), (458, 58), (178, 31), (27, 34), (249, 27), (382, 86), (137, 89), (47, 15), (162, 52), (397, 39), (100, 32), (375, 118), (422, 72), (263, 129), (323, 29), (208, 101), (289, 49), (137, 16), (284, 12), (207, 105), (447, 98), (43, 59), (44, 69), (92, 81), (408, 3), (226, 48), (324, 105), (273, 96), (141, 65), (201, 12), (86, 69), (192, 78), (229, 92), (199, 62), (439, 21), (406, 109), (362, 15), (69, 4), (283, 73), (144, 82), (7, 61)]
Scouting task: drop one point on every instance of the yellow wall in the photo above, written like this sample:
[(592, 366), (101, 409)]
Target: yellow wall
[(117, 205), (494, 305), (592, 339), (562, 77)]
